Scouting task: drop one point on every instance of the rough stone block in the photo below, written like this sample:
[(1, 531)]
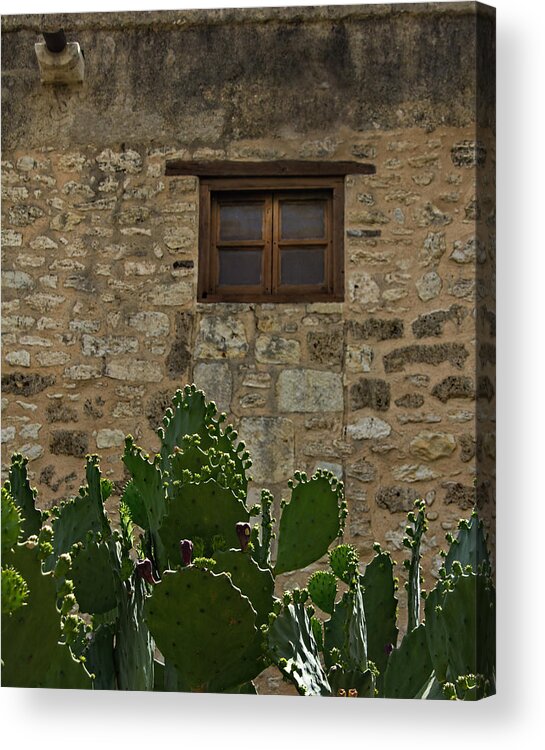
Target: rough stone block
[(376, 328), (414, 473), (429, 446), (430, 354), (179, 356), (325, 347), (468, 154), (429, 286), (309, 391), (56, 411), (276, 350), (221, 337), (18, 358), (368, 428), (396, 498), (371, 393), (359, 358), (361, 470), (460, 495), (410, 400), (69, 443), (270, 442), (137, 370), (110, 438), (454, 386), (23, 384), (216, 380), (363, 289), (432, 324)]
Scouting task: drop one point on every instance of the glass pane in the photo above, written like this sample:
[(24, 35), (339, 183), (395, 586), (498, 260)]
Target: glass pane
[(300, 265), (303, 220), (243, 221), (240, 267)]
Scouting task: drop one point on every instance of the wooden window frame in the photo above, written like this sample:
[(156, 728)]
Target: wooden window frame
[(273, 190)]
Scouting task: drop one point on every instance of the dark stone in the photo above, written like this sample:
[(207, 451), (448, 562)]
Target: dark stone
[(485, 388), (179, 357), (472, 211), (395, 498), (56, 411), (467, 447), (325, 347), (26, 384), (454, 386), (432, 323), (410, 400), (156, 408), (47, 475), (429, 354), (183, 264), (94, 410), (468, 154), (461, 495), (376, 328), (371, 393), (69, 443)]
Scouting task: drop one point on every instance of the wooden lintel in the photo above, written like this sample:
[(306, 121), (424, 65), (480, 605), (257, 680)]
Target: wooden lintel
[(176, 167)]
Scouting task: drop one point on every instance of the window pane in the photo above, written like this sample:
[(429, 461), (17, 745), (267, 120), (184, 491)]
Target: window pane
[(241, 222), (300, 265), (239, 267), (302, 220)]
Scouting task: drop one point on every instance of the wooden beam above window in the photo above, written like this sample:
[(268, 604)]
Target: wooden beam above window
[(294, 168)]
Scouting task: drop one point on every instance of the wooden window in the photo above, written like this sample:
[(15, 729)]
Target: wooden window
[(271, 239)]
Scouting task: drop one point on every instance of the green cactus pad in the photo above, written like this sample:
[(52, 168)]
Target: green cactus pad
[(354, 652), (32, 654), (409, 666), (94, 578), (134, 502), (380, 604), (72, 521), (12, 523), (436, 632), (148, 503), (335, 630), (24, 496), (469, 547), (201, 510), (134, 645), (310, 522), (256, 583), (14, 590), (343, 560), (292, 647), (203, 624), (100, 657), (322, 587)]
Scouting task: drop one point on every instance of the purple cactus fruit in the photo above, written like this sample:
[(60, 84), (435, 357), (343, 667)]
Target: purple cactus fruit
[(145, 571), (186, 551), (352, 693), (243, 533), (388, 648)]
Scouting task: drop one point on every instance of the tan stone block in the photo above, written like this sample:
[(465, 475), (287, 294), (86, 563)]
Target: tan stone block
[(429, 446)]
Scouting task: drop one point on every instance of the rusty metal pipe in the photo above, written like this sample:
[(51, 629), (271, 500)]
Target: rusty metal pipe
[(55, 41)]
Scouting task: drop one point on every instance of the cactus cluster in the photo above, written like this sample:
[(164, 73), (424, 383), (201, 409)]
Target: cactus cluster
[(450, 654), (184, 605), (176, 591)]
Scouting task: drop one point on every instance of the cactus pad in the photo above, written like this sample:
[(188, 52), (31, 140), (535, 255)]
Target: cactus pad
[(409, 666), (292, 647), (469, 547), (14, 590), (24, 496), (95, 585), (343, 561), (256, 583), (322, 587), (203, 625), (12, 523), (310, 521), (201, 510), (380, 605)]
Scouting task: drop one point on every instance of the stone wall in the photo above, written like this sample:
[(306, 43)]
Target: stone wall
[(100, 253)]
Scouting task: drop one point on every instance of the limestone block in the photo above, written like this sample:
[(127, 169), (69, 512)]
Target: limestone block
[(216, 380), (429, 286), (137, 370), (171, 295), (18, 358), (152, 324), (270, 442), (51, 359), (221, 337), (305, 390), (362, 289), (429, 446), (368, 428), (359, 358), (275, 350), (414, 473), (110, 438)]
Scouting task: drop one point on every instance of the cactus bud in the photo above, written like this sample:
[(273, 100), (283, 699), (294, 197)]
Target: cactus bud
[(243, 533), (144, 570), (186, 551)]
